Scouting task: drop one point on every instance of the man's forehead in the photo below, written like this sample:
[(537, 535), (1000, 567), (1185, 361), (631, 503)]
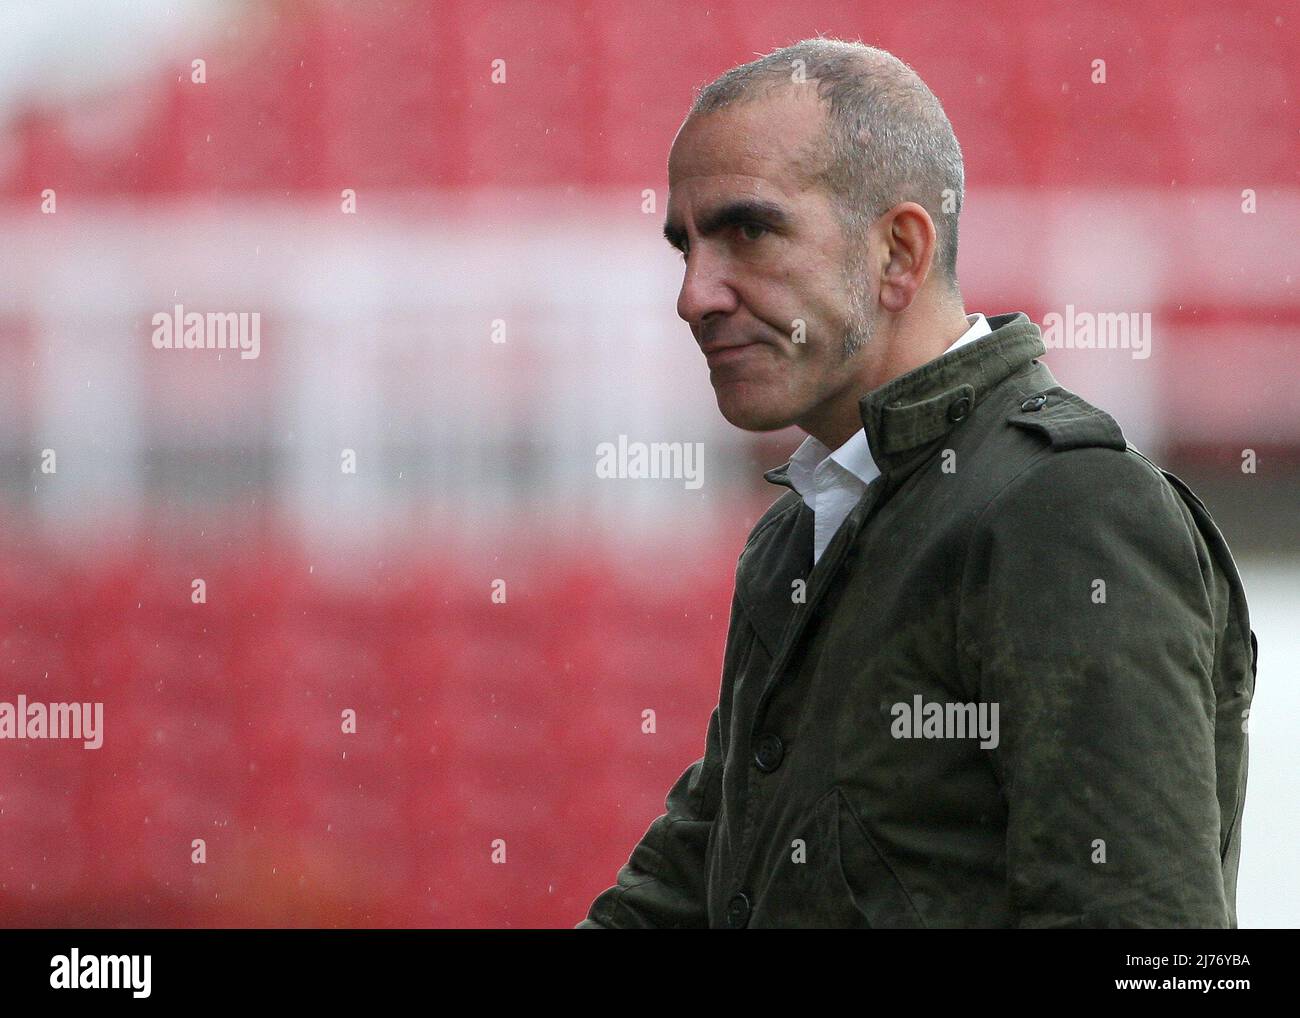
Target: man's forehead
[(771, 139)]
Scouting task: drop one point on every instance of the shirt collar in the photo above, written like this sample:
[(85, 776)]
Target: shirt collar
[(979, 327), (917, 407), (855, 454)]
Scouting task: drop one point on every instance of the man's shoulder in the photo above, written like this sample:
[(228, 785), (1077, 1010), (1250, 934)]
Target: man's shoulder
[(1035, 429), (1059, 460), (1038, 454)]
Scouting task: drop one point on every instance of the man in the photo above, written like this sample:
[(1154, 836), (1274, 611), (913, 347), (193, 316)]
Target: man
[(987, 666)]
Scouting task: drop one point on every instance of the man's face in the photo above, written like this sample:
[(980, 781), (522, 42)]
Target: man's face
[(765, 252)]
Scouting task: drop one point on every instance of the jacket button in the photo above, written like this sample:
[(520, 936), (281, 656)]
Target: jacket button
[(737, 912), (958, 409), (1033, 404), (769, 752)]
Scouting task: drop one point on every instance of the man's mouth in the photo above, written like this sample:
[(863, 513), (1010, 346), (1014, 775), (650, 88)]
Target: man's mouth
[(719, 355)]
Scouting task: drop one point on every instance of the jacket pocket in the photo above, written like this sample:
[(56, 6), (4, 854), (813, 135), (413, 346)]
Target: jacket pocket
[(859, 879)]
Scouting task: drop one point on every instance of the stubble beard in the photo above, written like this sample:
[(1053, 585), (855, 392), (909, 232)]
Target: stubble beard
[(862, 322)]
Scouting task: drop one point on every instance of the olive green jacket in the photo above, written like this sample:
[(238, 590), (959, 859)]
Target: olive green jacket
[(1016, 562)]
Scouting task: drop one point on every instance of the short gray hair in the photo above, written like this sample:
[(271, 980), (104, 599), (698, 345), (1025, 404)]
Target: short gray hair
[(888, 138)]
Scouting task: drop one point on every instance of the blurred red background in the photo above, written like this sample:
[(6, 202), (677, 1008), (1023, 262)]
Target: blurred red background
[(521, 203)]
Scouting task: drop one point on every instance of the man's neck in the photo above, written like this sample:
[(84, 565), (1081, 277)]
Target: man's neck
[(898, 346)]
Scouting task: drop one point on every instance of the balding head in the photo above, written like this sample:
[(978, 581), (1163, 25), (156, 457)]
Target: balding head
[(887, 140)]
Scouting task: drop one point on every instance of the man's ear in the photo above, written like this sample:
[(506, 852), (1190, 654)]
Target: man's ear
[(908, 241)]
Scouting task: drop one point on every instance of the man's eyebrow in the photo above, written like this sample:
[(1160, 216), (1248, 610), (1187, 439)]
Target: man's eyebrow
[(740, 210)]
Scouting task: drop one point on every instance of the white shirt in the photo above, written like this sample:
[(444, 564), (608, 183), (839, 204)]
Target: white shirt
[(832, 483)]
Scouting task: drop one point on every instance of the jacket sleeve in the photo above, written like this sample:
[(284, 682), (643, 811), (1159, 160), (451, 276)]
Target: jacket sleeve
[(1090, 617), (662, 885)]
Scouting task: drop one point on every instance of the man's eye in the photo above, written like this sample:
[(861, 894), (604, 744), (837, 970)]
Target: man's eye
[(752, 231)]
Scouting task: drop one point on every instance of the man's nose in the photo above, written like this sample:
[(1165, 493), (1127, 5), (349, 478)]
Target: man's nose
[(705, 289)]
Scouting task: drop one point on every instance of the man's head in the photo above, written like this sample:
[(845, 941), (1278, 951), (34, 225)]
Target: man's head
[(812, 191)]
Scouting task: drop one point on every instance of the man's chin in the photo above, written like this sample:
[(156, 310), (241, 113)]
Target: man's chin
[(750, 416)]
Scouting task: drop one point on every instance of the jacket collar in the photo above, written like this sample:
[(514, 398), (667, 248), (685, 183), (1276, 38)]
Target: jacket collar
[(914, 409)]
